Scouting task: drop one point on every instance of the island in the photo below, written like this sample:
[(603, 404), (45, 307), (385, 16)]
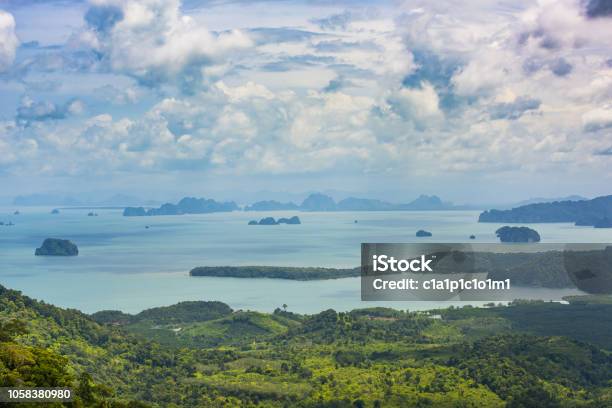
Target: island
[(55, 211), (267, 221), (322, 202), (57, 247), (187, 205), (422, 233), (318, 202), (275, 272), (517, 234), (603, 223), (582, 212), (295, 220), (134, 212)]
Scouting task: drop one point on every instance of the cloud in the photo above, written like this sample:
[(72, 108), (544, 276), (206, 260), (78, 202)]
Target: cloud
[(31, 111), (152, 41), (561, 67), (598, 8), (8, 40), (597, 119), (420, 105), (438, 71), (471, 88), (338, 21), (515, 109), (604, 152), (102, 18), (338, 83)]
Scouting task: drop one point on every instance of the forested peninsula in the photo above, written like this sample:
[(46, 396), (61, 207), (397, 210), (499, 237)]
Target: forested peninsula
[(596, 213)]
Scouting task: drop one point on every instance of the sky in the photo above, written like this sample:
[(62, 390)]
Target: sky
[(475, 101)]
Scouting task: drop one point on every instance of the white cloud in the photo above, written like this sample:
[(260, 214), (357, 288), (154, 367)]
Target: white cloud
[(597, 119), (8, 40), (420, 104), (472, 87), (155, 42)]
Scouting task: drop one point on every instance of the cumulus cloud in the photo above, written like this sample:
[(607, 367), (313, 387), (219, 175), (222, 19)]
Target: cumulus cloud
[(515, 109), (39, 111), (154, 42), (465, 88), (597, 119), (8, 40), (599, 8), (420, 104)]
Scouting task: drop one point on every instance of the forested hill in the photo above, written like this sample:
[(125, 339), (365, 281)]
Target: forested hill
[(275, 272), (523, 355), (596, 212)]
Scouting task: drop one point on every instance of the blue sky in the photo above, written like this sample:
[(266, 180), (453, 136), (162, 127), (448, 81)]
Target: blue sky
[(476, 101)]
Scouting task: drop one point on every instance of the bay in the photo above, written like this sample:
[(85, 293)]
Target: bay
[(124, 265)]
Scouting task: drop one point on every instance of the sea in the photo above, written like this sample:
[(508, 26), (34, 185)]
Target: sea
[(134, 263)]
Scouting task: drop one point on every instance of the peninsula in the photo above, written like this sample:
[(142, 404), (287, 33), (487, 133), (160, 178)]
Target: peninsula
[(595, 212), (188, 205), (275, 272)]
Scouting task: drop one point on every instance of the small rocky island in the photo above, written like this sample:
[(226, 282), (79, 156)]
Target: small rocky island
[(295, 220), (57, 247), (517, 234), (422, 233), (55, 211)]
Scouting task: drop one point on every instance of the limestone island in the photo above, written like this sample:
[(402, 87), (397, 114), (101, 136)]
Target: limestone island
[(57, 247), (517, 234), (422, 233), (295, 220), (187, 205)]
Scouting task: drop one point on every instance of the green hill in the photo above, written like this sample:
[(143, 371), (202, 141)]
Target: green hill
[(523, 355)]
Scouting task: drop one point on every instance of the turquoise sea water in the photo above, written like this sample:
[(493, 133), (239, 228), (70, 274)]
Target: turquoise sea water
[(123, 265)]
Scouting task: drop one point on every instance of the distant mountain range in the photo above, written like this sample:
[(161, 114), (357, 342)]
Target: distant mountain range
[(188, 205), (596, 212), (314, 202), (322, 202), (539, 200)]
